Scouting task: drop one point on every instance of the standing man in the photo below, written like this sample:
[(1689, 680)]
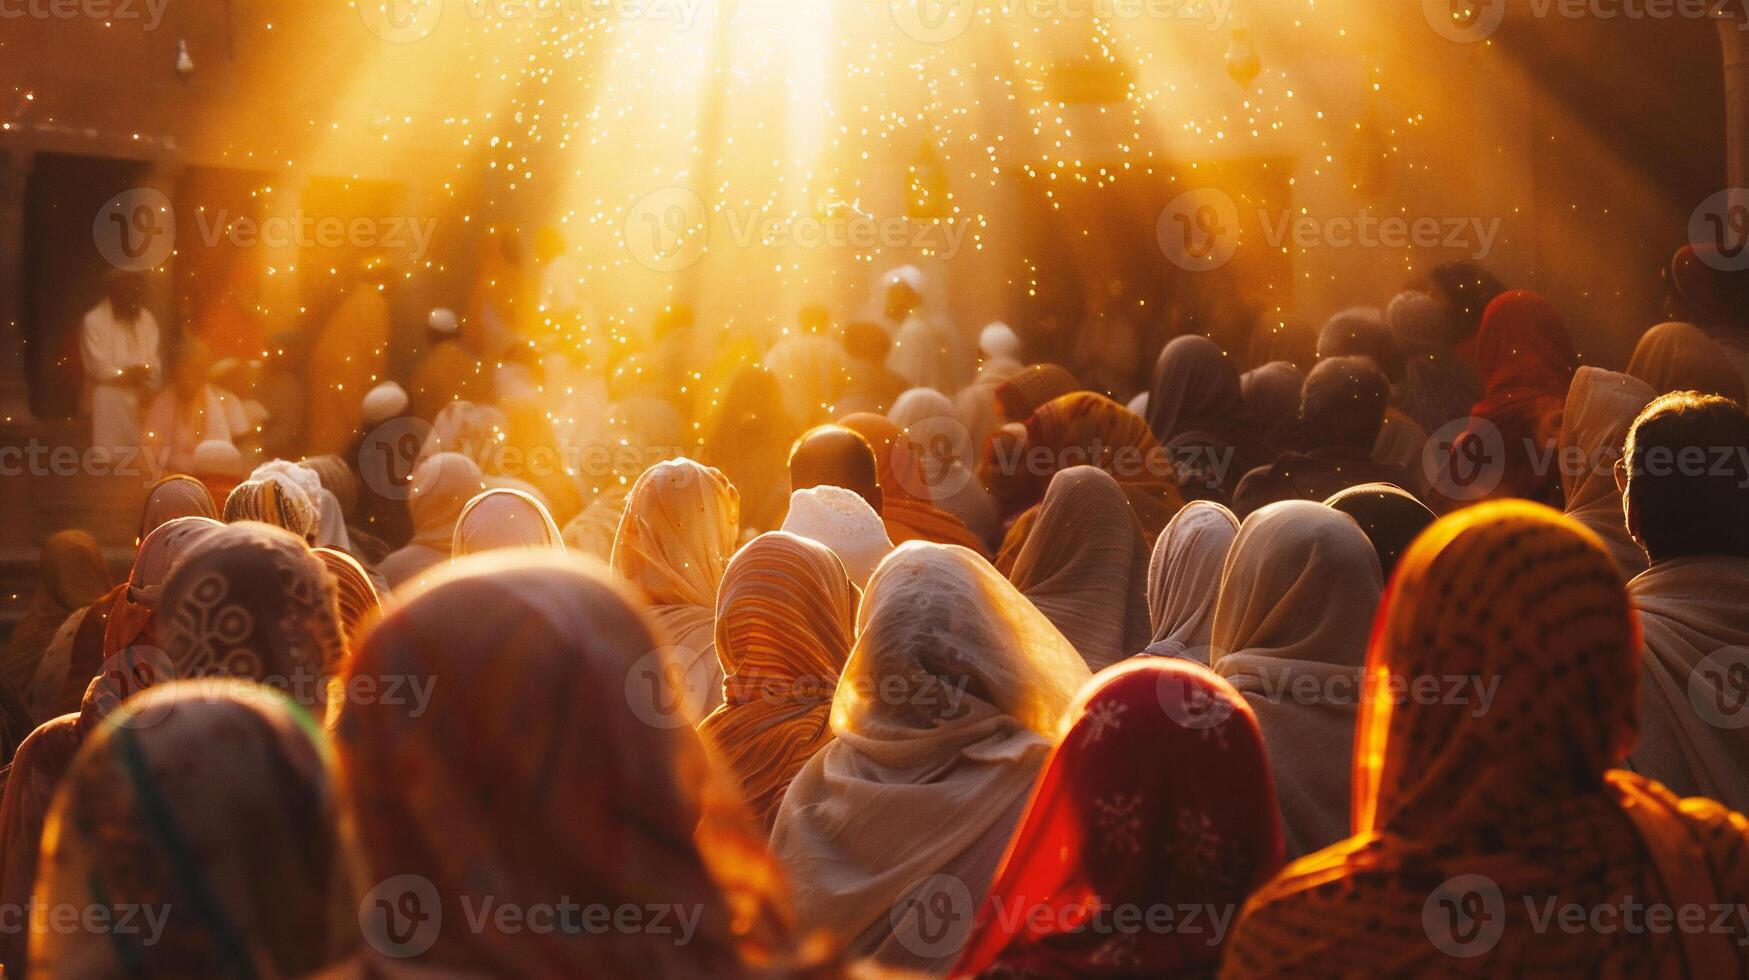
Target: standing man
[(119, 340)]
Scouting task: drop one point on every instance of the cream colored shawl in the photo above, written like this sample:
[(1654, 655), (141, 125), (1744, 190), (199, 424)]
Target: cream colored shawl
[(943, 718), (1298, 596), (1084, 564), (504, 519), (680, 527), (1601, 407), (1694, 613), (1184, 579)]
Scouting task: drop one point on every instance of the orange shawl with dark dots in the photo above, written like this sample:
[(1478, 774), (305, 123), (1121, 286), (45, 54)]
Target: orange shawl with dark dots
[(908, 516), (1087, 429), (1472, 818)]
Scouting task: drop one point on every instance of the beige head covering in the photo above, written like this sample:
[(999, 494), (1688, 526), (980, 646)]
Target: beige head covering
[(503, 519), (442, 485), (1084, 564), (1298, 596), (841, 520), (943, 717), (680, 527), (1601, 408), (1184, 579)]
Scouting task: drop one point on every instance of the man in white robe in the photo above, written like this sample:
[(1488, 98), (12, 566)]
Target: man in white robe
[(119, 340)]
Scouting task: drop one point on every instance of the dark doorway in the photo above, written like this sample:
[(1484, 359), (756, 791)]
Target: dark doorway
[(63, 270)]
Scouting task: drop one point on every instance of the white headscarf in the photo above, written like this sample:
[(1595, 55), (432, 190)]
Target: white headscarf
[(999, 342), (504, 519), (1601, 408), (944, 716), (1184, 579), (844, 522), (1298, 596), (1696, 627)]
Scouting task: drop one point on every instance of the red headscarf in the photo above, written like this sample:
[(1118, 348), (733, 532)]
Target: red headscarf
[(1527, 363), (1109, 845)]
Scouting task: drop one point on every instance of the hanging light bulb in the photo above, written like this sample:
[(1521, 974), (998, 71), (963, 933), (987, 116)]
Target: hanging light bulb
[(1243, 64), (184, 61)]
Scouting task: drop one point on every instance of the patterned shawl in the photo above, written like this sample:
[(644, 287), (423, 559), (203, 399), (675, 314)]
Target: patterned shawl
[(785, 615), (1472, 817), (1105, 837), (1087, 429), (253, 602), (213, 807)]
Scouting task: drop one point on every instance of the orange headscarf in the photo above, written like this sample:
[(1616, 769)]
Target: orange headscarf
[(786, 613), (908, 512), (1086, 429), (1473, 813), (534, 777)]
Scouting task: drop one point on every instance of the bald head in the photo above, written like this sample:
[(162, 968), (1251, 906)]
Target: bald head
[(833, 456)]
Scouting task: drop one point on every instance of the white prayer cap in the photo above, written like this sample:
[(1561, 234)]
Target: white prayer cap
[(384, 402), (218, 457), (910, 275), (844, 522), (443, 320), (1000, 342)]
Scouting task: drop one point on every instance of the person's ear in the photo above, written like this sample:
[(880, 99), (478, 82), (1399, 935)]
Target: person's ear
[(1629, 506)]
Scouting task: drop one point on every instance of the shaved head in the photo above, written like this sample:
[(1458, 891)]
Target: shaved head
[(833, 456)]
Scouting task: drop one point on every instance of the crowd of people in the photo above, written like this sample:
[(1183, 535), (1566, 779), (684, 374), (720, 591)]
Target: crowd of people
[(1422, 650)]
